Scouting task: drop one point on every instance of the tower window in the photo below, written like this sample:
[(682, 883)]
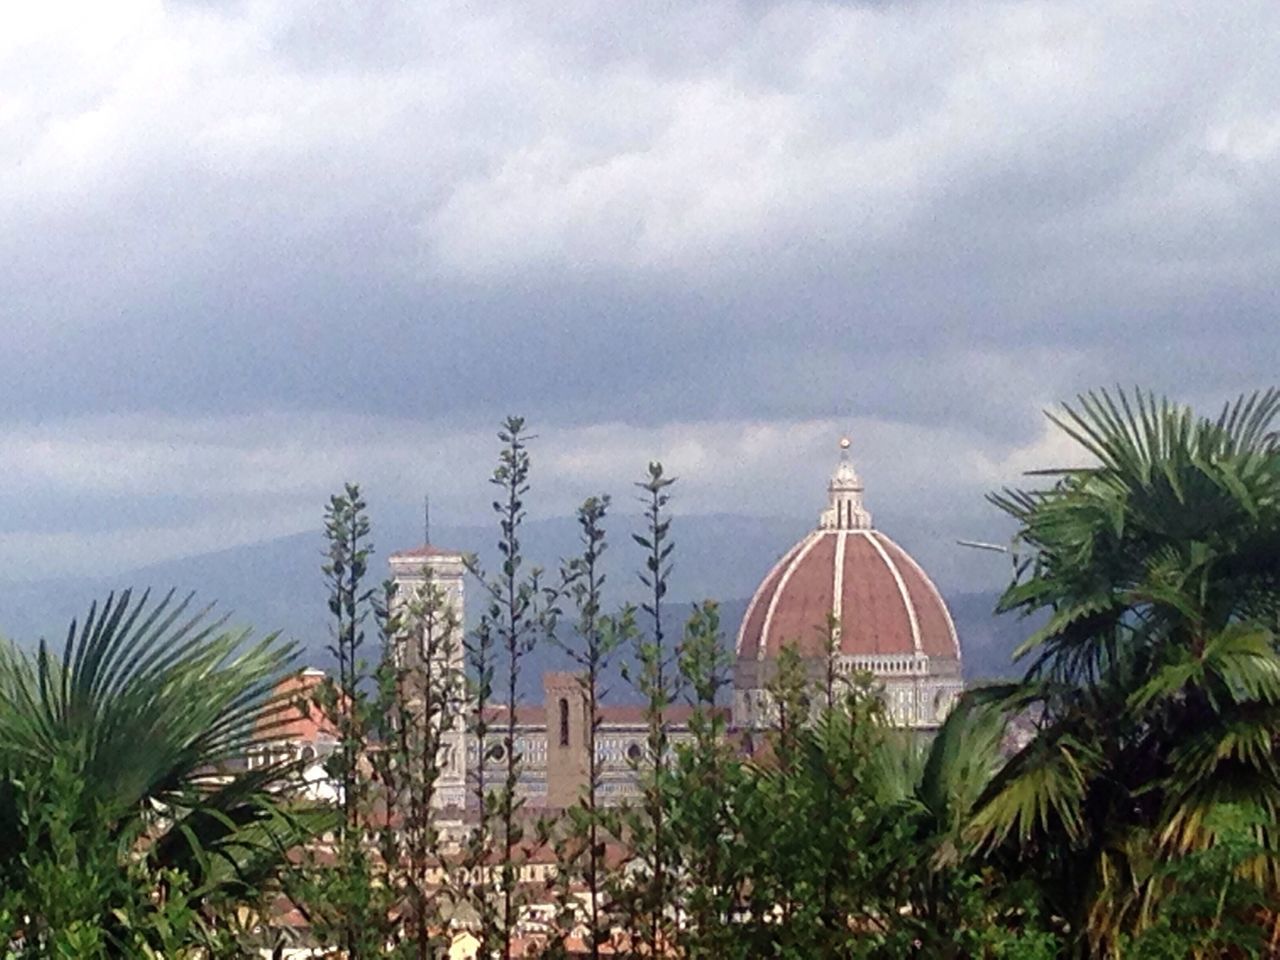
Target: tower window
[(564, 722)]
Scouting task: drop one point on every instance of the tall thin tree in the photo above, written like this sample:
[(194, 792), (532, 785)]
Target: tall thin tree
[(347, 531), (649, 902), (417, 710), (346, 900), (519, 611), (597, 637), (709, 790)]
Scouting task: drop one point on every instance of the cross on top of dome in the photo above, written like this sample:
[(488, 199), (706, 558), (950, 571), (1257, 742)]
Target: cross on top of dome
[(845, 510)]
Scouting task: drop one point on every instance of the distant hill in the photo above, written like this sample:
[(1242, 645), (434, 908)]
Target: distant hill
[(277, 585), (987, 641)]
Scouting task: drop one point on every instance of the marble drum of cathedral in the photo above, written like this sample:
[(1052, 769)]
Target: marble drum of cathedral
[(892, 622)]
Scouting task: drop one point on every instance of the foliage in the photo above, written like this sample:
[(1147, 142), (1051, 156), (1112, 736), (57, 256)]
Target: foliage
[(1156, 680), (417, 707), (341, 889), (126, 826), (645, 897), (1214, 905), (518, 612), (708, 787), (581, 840), (376, 894), (839, 836)]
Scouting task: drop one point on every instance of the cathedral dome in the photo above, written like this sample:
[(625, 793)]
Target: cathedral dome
[(891, 619), (883, 603)]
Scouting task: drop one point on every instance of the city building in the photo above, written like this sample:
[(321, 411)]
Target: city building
[(845, 596), (849, 592)]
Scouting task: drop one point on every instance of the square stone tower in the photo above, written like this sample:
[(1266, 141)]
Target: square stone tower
[(566, 707), (417, 573)]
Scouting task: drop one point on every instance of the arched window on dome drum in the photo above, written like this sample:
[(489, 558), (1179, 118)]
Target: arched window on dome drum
[(564, 722)]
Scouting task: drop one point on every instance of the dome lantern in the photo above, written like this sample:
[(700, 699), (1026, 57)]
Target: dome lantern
[(845, 510)]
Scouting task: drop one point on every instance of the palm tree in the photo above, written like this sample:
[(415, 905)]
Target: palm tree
[(924, 792), (1156, 679), (121, 769)]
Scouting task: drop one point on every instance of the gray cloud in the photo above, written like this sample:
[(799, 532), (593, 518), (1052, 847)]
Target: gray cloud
[(936, 217)]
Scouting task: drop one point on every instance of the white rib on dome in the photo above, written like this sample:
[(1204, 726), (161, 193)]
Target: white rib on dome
[(782, 586), (902, 592)]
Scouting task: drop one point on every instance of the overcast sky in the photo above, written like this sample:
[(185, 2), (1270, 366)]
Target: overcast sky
[(251, 249)]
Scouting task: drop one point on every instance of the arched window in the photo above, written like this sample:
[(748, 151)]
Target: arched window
[(564, 722)]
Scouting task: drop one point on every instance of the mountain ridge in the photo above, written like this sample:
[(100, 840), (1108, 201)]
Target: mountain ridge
[(277, 585)]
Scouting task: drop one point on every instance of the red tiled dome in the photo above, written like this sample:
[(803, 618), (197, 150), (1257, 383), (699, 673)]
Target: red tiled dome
[(884, 603), (882, 600)]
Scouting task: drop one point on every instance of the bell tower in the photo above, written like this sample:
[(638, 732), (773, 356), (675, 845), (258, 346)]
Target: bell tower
[(430, 598), (567, 723)]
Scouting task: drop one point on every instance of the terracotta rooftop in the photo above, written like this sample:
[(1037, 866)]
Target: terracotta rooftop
[(302, 719)]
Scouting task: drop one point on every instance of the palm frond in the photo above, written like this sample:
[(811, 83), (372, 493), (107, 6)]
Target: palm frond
[(1040, 790), (146, 700)]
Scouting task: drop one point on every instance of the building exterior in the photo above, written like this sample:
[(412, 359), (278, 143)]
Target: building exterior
[(849, 592), (444, 571), (303, 735), (551, 739), (845, 591)]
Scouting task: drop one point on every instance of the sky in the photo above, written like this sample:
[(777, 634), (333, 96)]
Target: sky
[(249, 250)]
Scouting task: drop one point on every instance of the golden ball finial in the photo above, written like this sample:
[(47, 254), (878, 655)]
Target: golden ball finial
[(845, 443)]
